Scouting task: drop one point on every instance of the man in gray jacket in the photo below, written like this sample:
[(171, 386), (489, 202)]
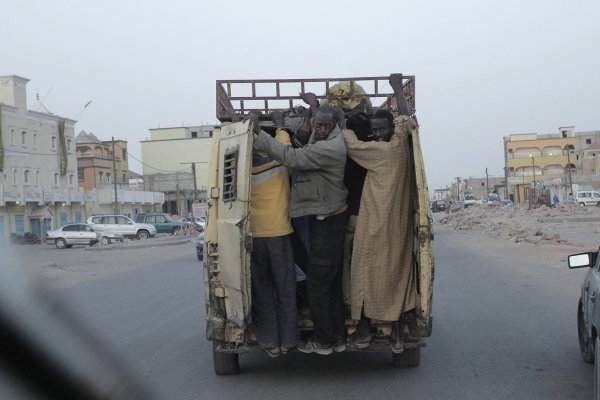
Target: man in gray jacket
[(318, 191)]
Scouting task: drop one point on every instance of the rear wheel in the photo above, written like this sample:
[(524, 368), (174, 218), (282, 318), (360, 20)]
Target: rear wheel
[(408, 358), (597, 371), (143, 235), (586, 345), (225, 363), (60, 243)]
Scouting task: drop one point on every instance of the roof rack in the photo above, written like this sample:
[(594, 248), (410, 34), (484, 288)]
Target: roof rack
[(239, 97)]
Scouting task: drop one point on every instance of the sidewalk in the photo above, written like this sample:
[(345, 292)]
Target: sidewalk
[(161, 239)]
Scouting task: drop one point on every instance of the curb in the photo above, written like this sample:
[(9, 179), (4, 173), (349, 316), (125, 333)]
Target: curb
[(146, 243)]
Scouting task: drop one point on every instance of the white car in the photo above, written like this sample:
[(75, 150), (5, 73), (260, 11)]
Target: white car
[(195, 221), (123, 225), (70, 234), (587, 198)]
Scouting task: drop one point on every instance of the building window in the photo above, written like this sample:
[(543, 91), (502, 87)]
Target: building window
[(124, 178), (194, 134), (53, 142), (69, 145), (107, 178), (71, 179), (100, 177), (37, 177), (34, 139), (12, 136), (80, 175), (56, 179), (26, 177), (14, 176), (24, 138), (588, 141)]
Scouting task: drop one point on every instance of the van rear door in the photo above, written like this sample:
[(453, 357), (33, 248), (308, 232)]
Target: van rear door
[(228, 242)]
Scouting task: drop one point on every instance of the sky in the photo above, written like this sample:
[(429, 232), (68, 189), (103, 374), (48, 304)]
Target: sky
[(484, 70)]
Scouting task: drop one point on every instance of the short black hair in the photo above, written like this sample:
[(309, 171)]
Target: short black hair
[(361, 125), (326, 109), (384, 114)]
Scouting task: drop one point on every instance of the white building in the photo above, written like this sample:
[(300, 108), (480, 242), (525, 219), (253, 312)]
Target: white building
[(38, 169)]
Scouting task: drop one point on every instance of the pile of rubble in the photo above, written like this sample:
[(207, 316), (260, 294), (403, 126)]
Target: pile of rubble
[(565, 223)]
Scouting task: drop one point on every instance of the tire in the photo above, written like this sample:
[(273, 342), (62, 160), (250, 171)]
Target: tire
[(586, 345), (60, 243), (142, 234), (582, 204), (408, 358), (225, 363), (597, 371)]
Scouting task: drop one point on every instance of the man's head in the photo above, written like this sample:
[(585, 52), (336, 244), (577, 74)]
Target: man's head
[(361, 125), (325, 122), (382, 125)]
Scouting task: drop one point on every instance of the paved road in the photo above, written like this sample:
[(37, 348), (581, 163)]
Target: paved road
[(504, 328)]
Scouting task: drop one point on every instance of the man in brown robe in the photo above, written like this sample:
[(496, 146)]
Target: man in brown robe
[(382, 276)]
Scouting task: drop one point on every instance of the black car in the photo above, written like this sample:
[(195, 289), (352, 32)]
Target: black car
[(588, 316)]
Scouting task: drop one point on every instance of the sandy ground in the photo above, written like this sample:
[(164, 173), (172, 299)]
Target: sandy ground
[(552, 233)]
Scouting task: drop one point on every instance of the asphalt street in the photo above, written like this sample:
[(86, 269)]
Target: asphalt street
[(504, 328)]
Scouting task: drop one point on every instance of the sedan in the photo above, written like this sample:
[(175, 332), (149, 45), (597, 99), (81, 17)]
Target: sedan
[(588, 315), (68, 235)]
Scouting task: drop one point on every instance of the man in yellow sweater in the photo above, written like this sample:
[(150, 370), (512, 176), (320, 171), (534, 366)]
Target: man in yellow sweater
[(273, 274)]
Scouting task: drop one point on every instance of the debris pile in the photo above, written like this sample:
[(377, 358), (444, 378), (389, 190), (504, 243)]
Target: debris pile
[(565, 223)]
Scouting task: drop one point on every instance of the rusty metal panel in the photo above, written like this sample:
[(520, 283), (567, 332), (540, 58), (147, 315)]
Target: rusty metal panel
[(239, 97)]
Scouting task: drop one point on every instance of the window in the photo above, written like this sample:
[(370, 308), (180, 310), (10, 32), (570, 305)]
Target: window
[(80, 175), (194, 134), (53, 142), (71, 228), (37, 176), (14, 177), (56, 179), (34, 139), (12, 136), (108, 177), (71, 179), (123, 154), (230, 176), (26, 176), (100, 177), (124, 178), (69, 145), (24, 138), (122, 220)]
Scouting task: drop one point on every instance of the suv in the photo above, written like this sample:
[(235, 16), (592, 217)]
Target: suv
[(161, 221), (587, 198), (123, 225)]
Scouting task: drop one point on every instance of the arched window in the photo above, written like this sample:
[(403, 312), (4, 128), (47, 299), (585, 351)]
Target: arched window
[(37, 176), (24, 138), (14, 176), (71, 179), (12, 136), (56, 179), (69, 145), (26, 177), (53, 142), (34, 139)]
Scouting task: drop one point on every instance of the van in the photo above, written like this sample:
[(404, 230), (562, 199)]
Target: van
[(587, 198), (228, 238)]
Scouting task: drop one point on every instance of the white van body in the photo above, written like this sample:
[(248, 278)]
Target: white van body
[(587, 198)]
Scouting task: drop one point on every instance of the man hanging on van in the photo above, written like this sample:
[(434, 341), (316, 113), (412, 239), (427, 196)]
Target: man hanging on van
[(382, 276), (273, 275), (318, 191)]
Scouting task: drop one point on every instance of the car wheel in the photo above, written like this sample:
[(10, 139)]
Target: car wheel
[(586, 345), (60, 243), (597, 371), (225, 363), (143, 235), (105, 240), (582, 204)]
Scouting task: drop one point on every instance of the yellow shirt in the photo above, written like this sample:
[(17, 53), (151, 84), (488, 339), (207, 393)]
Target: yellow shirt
[(270, 195)]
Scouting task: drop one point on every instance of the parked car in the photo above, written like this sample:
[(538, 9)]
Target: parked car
[(439, 205), (197, 222), (122, 224), (200, 246), (71, 234), (587, 198), (588, 316), (161, 221), (470, 200), (507, 202)]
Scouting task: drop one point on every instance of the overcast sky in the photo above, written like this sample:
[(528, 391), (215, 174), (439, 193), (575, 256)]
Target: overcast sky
[(483, 69)]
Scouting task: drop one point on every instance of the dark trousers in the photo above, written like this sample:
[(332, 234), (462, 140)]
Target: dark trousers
[(324, 277), (274, 292)]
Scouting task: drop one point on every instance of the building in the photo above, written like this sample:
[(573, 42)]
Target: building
[(95, 167), (171, 157), (540, 162), (39, 180), (480, 188)]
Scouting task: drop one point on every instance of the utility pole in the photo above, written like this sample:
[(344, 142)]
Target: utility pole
[(487, 184), (114, 173), (569, 167), (194, 177)]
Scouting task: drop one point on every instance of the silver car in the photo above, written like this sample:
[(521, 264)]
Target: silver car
[(123, 225), (70, 234)]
